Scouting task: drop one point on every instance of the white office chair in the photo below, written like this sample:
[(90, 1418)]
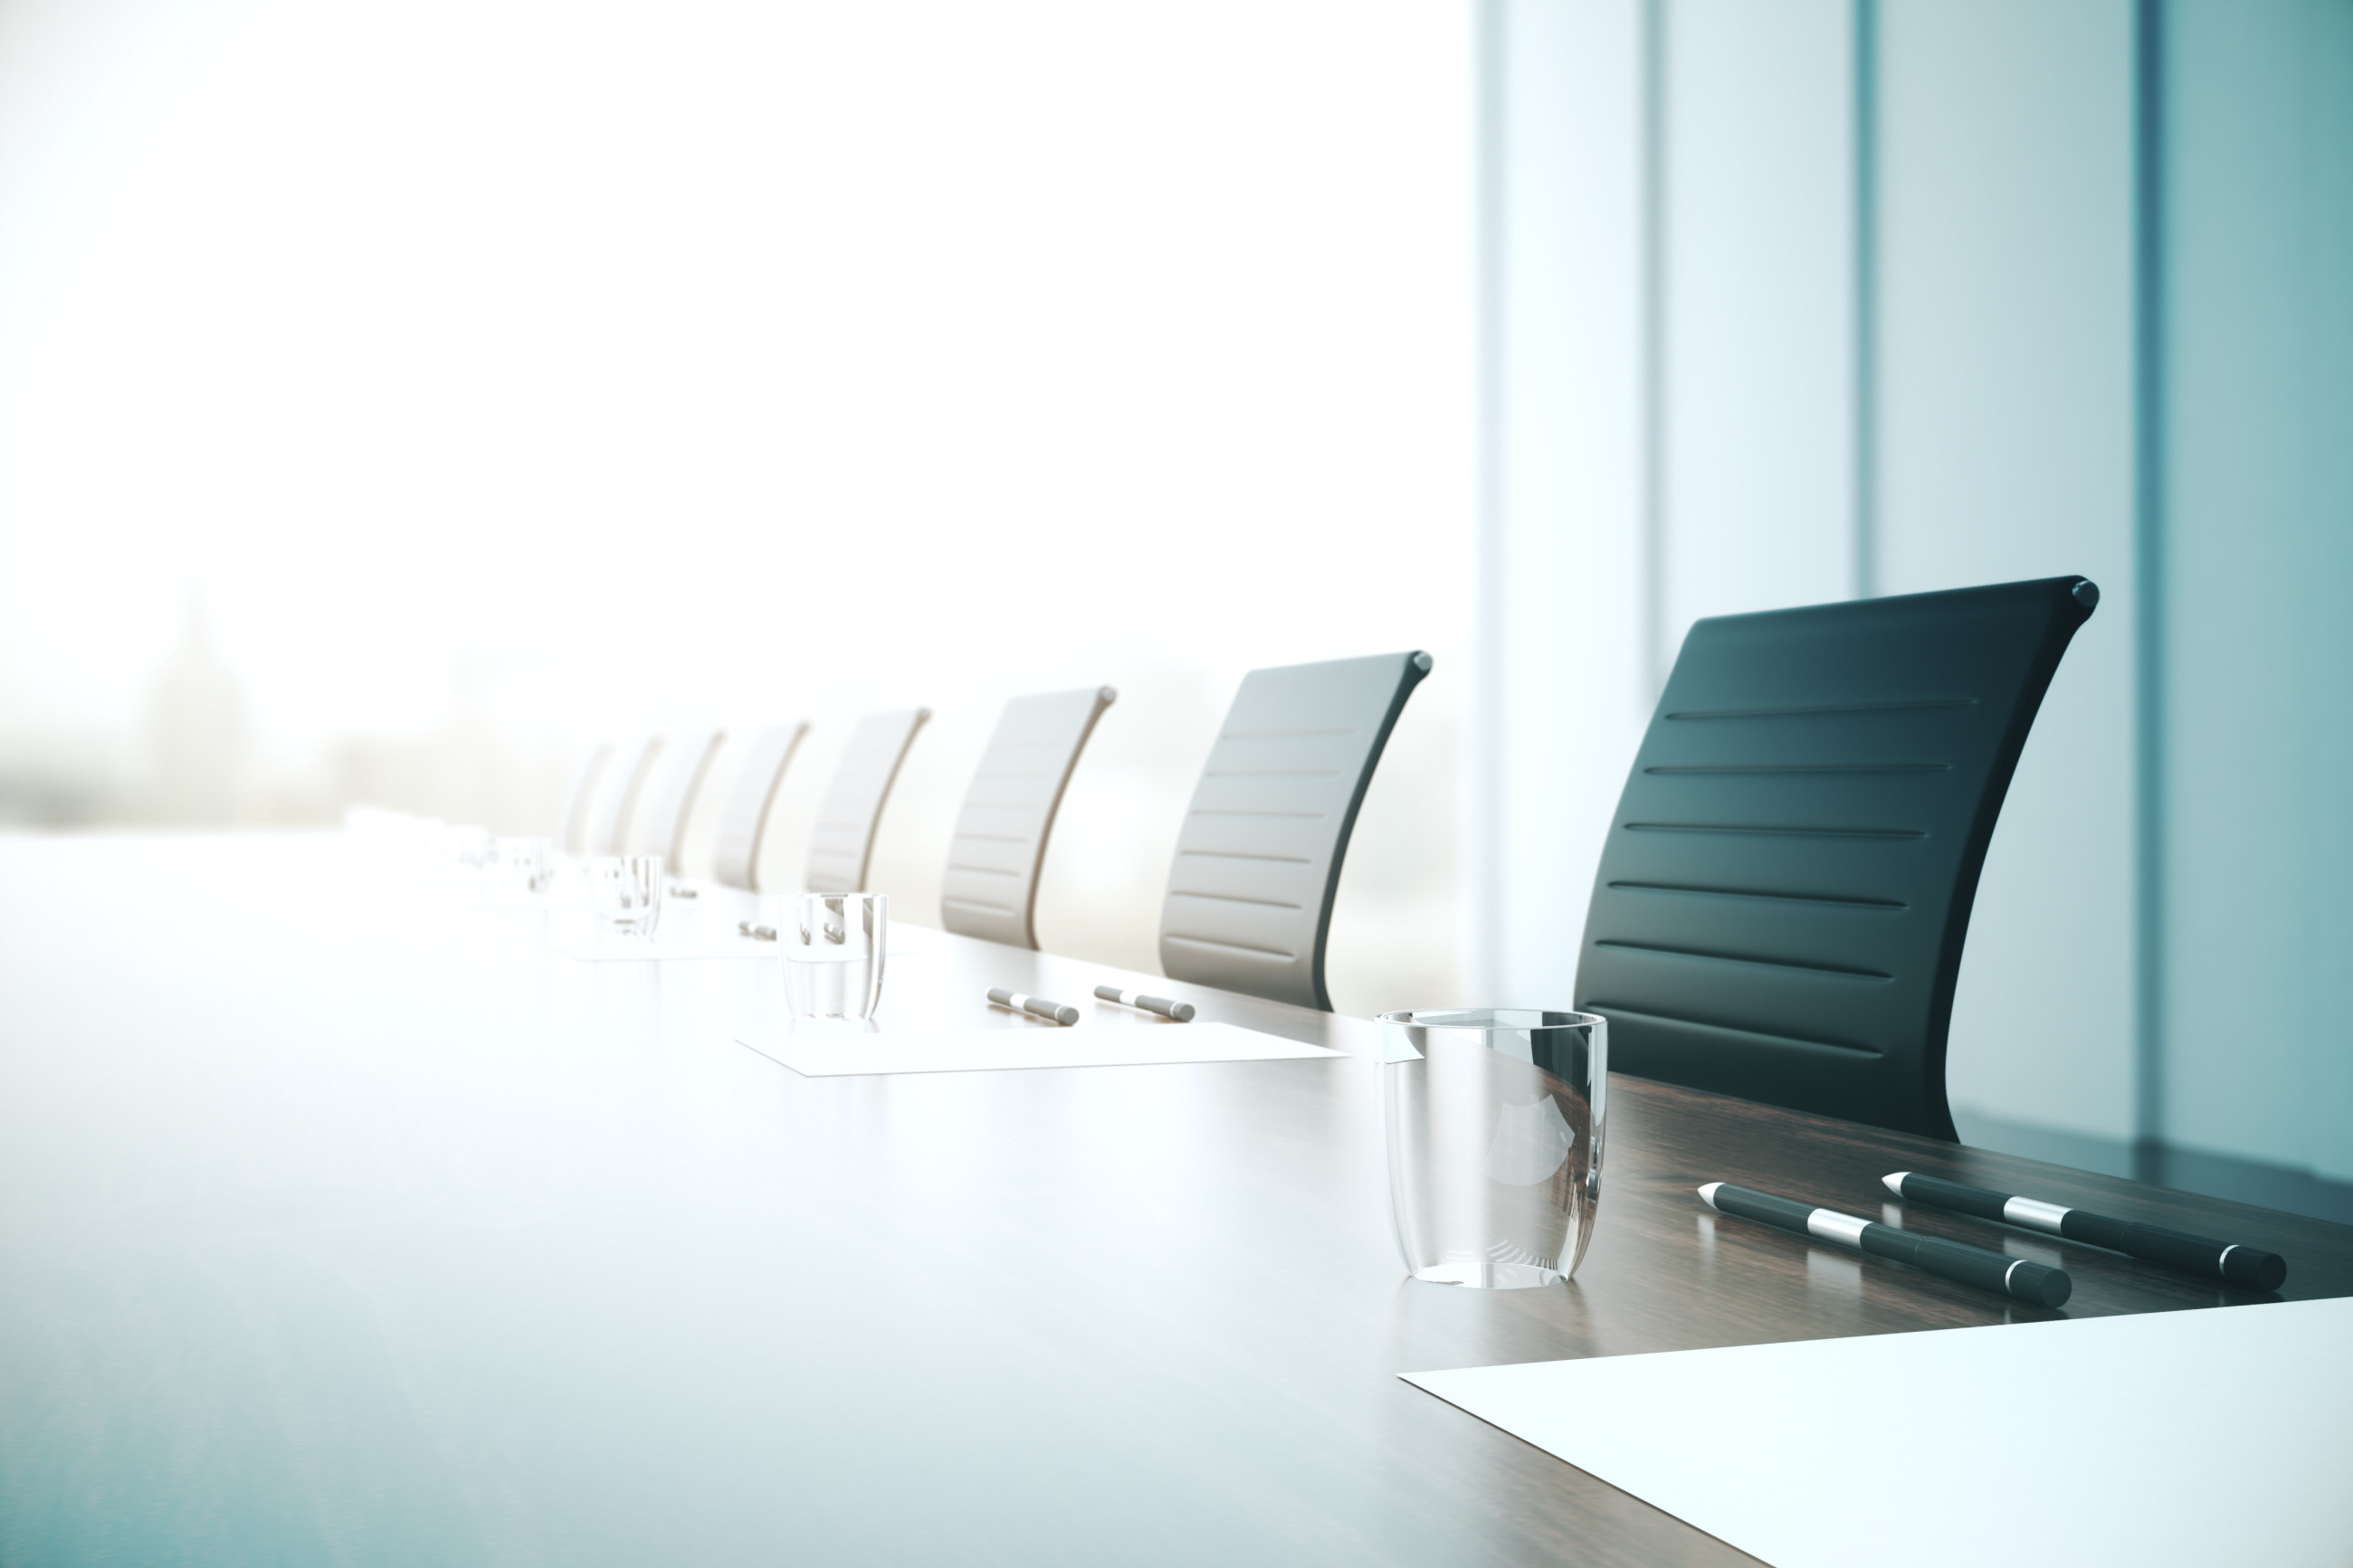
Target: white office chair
[(660, 825), (991, 887), (843, 841), (1257, 861), (580, 796), (743, 822), (608, 824)]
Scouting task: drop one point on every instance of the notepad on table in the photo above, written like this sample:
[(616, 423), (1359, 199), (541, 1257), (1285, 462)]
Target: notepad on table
[(587, 947), (638, 949), (2213, 1435), (828, 1054)]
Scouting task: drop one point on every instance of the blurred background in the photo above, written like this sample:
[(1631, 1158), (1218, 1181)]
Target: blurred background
[(396, 400)]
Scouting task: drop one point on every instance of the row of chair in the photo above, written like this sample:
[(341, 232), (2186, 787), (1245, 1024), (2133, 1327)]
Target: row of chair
[(1249, 906), (1782, 897)]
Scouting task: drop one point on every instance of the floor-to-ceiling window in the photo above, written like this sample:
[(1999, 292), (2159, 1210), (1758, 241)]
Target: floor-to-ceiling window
[(1798, 298)]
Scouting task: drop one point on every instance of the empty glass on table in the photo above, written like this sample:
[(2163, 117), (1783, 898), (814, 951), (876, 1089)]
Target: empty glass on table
[(1494, 1126), (523, 868), (468, 847), (833, 945), (624, 893)]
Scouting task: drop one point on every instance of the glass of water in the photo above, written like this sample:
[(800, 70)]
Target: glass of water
[(625, 893), (833, 945), (526, 866), (1494, 1141), (470, 847)]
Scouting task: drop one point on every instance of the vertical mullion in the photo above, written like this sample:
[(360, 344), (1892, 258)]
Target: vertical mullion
[(1866, 45), (1488, 795), (2149, 586), (1655, 348)]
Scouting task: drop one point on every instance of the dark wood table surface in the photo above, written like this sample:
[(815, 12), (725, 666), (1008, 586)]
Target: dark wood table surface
[(344, 1222)]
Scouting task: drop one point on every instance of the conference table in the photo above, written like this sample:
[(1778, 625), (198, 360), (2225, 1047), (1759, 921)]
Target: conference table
[(343, 1219)]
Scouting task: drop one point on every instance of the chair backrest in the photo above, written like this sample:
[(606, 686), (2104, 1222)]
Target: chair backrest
[(744, 820), (617, 802), (1257, 861), (991, 886), (580, 796), (843, 841), (1783, 895), (660, 825)]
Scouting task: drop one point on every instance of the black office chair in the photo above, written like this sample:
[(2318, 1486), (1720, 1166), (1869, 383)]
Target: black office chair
[(1783, 897), (841, 845), (616, 799), (743, 821), (580, 799), (990, 887), (1257, 861), (662, 816)]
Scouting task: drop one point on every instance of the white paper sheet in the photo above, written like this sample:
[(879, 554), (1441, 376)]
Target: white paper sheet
[(629, 950), (2212, 1437), (588, 948), (830, 1055)]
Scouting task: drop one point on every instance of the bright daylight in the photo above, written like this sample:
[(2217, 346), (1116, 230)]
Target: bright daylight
[(1485, 781)]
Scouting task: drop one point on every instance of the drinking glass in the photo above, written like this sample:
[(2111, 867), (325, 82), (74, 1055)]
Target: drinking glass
[(1494, 1141), (625, 892), (470, 847), (833, 947), (526, 866)]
